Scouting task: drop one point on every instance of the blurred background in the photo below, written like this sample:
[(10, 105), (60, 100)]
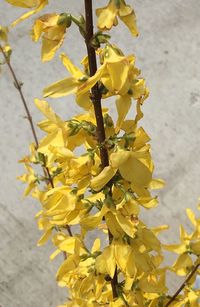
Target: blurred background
[(167, 52)]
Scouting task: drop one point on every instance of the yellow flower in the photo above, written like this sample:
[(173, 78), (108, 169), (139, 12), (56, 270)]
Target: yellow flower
[(184, 245), (106, 262), (29, 178), (153, 282), (107, 16), (182, 265), (98, 182), (70, 85), (37, 6), (119, 76), (53, 34), (115, 64), (133, 166)]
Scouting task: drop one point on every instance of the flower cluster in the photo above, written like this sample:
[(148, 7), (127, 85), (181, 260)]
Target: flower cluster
[(80, 195)]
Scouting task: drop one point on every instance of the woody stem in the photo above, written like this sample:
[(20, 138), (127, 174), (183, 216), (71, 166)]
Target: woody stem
[(18, 86), (96, 100), (173, 298)]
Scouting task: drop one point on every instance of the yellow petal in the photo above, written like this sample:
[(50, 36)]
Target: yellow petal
[(44, 107), (44, 237), (61, 88), (148, 202), (23, 3), (74, 70), (54, 254), (156, 184), (42, 4), (135, 171), (122, 252), (123, 104), (115, 69), (153, 283), (182, 265), (98, 182), (37, 30), (106, 263), (92, 221), (191, 216), (69, 245), (55, 139), (176, 248), (131, 269), (87, 85), (129, 126), (49, 47), (193, 298), (106, 16), (150, 240), (195, 247), (131, 168), (84, 101), (126, 224), (96, 245), (139, 112), (119, 158), (157, 230), (68, 265), (130, 22), (141, 138), (113, 225)]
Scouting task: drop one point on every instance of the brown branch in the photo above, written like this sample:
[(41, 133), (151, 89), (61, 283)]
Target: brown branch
[(18, 86), (183, 284), (96, 99)]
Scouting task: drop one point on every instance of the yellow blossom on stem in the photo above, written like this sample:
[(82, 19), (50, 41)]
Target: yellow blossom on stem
[(107, 16), (53, 34), (93, 174)]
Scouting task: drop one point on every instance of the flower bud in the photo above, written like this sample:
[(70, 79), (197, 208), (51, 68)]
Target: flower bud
[(64, 20)]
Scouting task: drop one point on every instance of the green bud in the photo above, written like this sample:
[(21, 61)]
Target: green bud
[(64, 19), (118, 3), (81, 19)]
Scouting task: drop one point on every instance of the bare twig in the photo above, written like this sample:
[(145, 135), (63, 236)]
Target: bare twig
[(18, 86), (183, 284)]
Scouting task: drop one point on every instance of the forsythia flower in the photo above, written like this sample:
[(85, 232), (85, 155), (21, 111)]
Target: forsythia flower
[(115, 64), (70, 85), (29, 178), (37, 6), (107, 16), (53, 34)]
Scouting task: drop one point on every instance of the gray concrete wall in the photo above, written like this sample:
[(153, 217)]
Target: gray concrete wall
[(168, 53)]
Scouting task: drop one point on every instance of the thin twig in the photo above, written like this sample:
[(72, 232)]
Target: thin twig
[(96, 99), (183, 284), (18, 86)]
